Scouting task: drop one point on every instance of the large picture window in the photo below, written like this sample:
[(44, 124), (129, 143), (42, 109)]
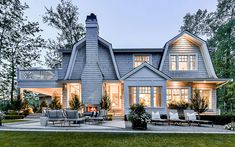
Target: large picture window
[(177, 94), (139, 59), (145, 96), (183, 62), (148, 96)]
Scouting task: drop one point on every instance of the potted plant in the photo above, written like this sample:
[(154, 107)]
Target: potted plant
[(138, 116)]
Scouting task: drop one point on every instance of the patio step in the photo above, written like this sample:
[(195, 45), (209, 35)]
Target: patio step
[(34, 116)]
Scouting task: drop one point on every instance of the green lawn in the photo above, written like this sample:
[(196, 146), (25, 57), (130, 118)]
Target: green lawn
[(111, 139), (13, 120)]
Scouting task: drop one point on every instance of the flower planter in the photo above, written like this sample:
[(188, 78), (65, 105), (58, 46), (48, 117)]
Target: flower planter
[(139, 126)]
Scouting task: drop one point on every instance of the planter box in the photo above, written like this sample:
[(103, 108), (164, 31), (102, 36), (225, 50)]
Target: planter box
[(139, 126)]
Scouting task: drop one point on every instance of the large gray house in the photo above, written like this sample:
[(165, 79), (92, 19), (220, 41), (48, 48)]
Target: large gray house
[(154, 77)]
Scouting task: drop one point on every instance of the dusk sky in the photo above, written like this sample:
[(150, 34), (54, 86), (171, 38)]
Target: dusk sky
[(128, 23)]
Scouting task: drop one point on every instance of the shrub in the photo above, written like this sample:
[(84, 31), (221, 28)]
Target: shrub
[(219, 119), (178, 104), (230, 126), (55, 103), (13, 116), (43, 104), (74, 103)]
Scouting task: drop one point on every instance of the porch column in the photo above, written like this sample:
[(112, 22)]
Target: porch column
[(137, 95), (65, 96)]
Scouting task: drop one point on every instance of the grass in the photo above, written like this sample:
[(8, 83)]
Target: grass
[(13, 120), (45, 139)]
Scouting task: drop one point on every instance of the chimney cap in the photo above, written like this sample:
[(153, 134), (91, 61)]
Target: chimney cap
[(92, 16)]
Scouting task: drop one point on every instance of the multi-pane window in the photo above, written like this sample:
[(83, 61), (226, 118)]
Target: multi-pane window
[(139, 59), (145, 96), (132, 95), (157, 97), (173, 62), (177, 94), (148, 96), (183, 62)]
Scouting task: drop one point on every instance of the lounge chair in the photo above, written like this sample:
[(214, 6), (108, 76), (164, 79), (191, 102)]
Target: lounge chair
[(191, 117), (73, 116), (156, 117), (55, 115), (173, 117)]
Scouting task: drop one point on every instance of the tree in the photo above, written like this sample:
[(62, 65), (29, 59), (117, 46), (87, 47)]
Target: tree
[(43, 104), (65, 20), (198, 103), (105, 102), (75, 103), (219, 27), (20, 44)]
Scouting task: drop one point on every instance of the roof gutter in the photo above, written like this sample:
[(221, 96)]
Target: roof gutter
[(221, 85)]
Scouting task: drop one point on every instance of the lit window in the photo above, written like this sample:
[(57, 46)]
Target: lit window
[(145, 96), (139, 59), (192, 62), (183, 62), (177, 94), (157, 97), (173, 62), (74, 91), (132, 95)]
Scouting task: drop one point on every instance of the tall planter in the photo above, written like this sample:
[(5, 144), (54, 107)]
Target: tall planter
[(139, 126), (138, 117)]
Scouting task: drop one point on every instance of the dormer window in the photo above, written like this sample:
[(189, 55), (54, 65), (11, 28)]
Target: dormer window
[(183, 62), (139, 59)]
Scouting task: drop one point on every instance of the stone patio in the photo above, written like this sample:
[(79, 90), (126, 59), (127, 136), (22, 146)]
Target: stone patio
[(116, 125)]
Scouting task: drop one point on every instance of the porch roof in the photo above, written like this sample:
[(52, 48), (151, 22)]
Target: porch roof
[(219, 81), (145, 64)]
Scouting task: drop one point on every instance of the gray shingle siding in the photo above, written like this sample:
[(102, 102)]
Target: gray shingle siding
[(184, 48), (106, 63), (65, 63), (125, 61), (79, 63)]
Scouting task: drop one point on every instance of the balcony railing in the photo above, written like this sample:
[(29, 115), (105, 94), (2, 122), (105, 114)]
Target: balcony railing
[(37, 74)]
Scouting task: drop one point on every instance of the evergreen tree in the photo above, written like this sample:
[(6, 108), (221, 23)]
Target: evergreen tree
[(75, 103), (198, 103), (55, 103), (219, 27), (65, 19)]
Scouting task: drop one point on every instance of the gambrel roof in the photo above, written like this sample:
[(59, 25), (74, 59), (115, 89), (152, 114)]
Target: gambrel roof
[(203, 48)]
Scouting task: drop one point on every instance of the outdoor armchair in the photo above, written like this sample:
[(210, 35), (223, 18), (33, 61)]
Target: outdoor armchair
[(73, 116)]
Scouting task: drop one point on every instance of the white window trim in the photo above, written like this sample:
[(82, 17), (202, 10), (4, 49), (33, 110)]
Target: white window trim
[(133, 58), (210, 99), (177, 61)]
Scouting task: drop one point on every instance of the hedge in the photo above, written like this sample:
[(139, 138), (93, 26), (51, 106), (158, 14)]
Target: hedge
[(219, 119), (13, 116)]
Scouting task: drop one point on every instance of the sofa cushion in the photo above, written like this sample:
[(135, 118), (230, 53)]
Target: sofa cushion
[(156, 115)]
